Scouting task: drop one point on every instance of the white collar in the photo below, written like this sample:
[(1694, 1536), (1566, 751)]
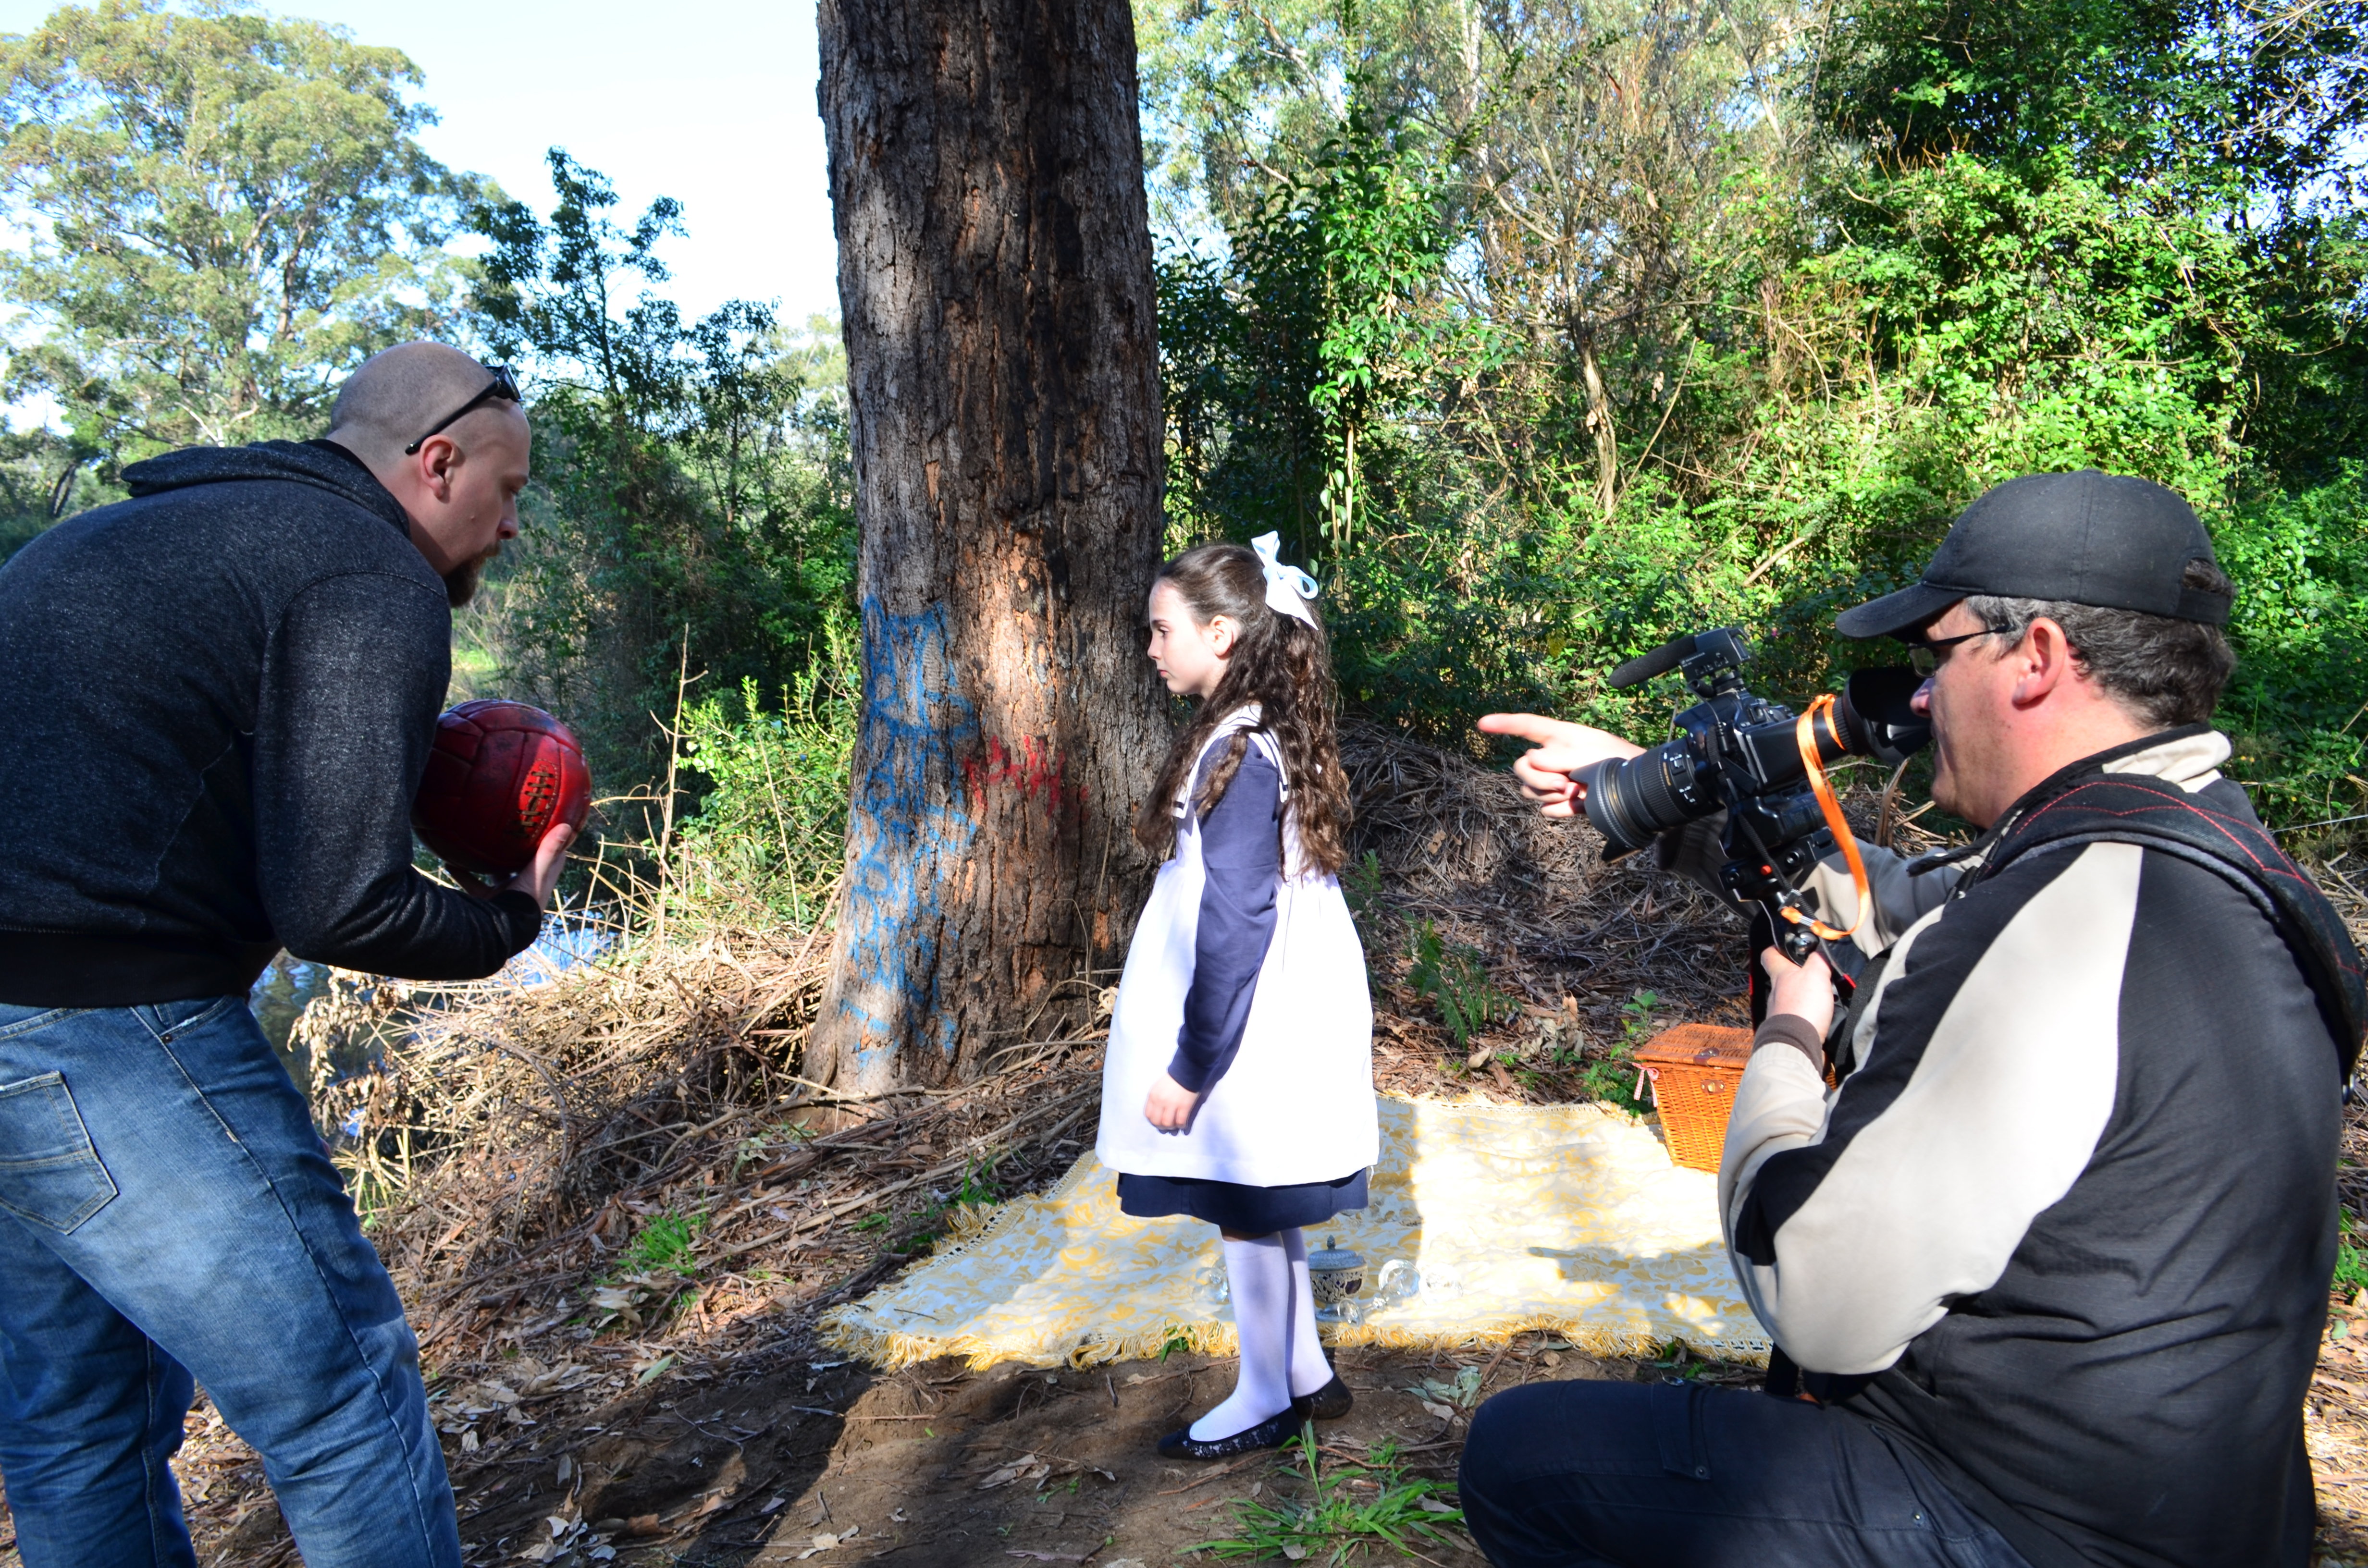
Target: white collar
[(2192, 762)]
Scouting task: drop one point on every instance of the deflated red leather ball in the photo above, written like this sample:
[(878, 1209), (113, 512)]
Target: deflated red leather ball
[(500, 774)]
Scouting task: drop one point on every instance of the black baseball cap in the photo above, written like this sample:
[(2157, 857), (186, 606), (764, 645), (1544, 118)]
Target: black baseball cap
[(2085, 539)]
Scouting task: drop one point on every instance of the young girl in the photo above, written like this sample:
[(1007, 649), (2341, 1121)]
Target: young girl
[(1239, 1084)]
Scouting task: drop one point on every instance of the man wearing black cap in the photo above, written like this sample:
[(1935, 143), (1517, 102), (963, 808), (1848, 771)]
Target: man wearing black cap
[(2055, 1257)]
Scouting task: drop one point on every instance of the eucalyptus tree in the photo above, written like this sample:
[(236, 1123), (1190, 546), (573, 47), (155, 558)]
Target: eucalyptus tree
[(224, 212), (994, 281)]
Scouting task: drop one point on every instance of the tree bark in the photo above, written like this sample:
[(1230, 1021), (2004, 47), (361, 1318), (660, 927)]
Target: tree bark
[(1599, 420), (994, 281)]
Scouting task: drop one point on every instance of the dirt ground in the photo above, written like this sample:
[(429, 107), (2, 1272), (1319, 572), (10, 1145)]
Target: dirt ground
[(936, 1465), (806, 1457), (605, 1399), (819, 1459)]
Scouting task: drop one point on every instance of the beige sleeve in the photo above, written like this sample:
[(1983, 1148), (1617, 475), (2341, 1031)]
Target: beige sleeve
[(1899, 899)]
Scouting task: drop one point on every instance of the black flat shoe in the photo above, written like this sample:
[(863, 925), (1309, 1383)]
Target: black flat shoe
[(1270, 1433), (1327, 1403)]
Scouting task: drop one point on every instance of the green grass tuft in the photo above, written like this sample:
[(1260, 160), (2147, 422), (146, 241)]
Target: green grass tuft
[(670, 1241), (1356, 1508), (2350, 1263)]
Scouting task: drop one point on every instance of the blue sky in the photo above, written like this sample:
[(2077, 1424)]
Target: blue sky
[(709, 101)]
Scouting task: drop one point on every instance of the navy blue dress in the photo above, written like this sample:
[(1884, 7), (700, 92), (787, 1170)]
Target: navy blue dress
[(1241, 848)]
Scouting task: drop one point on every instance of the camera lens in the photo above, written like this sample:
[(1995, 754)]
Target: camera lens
[(1635, 801)]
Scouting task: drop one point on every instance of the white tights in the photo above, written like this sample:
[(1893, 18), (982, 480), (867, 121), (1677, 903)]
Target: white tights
[(1274, 1314)]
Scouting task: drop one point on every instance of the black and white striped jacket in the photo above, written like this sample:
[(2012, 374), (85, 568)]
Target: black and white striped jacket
[(2067, 1226)]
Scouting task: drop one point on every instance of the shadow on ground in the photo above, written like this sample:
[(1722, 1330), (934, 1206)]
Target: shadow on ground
[(937, 1465)]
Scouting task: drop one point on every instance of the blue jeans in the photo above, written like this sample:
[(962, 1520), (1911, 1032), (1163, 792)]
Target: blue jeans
[(170, 1212), (1656, 1475)]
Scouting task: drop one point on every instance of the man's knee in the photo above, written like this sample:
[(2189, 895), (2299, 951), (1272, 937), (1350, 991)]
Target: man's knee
[(1496, 1434), (1531, 1431)]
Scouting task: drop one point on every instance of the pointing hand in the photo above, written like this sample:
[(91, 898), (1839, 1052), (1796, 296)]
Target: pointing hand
[(1558, 748)]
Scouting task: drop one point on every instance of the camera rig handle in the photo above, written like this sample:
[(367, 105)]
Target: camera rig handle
[(1771, 878)]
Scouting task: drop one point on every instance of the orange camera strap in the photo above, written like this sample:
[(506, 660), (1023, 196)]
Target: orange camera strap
[(1804, 734)]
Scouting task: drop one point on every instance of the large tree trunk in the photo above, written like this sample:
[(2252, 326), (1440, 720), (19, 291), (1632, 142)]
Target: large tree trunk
[(995, 276)]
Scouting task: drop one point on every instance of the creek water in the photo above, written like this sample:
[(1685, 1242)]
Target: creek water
[(290, 984)]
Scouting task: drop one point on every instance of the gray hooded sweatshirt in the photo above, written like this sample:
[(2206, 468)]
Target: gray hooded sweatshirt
[(216, 701)]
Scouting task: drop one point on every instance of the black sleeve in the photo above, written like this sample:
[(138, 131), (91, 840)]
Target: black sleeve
[(352, 682), (1241, 849)]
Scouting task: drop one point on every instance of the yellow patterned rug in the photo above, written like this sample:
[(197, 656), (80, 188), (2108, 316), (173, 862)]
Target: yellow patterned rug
[(1514, 1218)]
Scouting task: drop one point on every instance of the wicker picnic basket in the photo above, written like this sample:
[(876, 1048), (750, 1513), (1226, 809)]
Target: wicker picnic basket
[(1694, 1069)]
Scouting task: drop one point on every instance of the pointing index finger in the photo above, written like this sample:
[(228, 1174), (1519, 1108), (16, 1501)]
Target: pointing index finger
[(1534, 728)]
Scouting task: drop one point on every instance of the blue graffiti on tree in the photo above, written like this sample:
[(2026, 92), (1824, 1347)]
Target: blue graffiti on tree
[(906, 828)]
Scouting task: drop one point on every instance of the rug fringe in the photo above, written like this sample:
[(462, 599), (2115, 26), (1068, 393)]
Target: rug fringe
[(892, 1350)]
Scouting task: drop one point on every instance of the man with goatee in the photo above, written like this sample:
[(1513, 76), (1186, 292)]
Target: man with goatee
[(216, 701)]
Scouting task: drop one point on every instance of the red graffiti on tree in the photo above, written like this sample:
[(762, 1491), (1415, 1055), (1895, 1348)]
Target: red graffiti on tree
[(1039, 773)]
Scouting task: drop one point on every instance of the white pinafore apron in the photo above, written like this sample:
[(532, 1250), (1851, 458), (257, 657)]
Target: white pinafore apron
[(1297, 1102)]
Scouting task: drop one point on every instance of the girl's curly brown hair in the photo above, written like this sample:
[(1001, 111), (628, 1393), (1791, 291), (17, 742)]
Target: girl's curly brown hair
[(1284, 666)]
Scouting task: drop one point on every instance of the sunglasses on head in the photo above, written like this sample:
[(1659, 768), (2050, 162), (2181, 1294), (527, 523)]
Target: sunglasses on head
[(504, 386)]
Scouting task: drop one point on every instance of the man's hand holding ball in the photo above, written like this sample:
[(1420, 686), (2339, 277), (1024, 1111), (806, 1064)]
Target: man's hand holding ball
[(540, 876), (504, 791)]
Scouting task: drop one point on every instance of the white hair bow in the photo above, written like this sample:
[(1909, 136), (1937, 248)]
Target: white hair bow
[(1288, 588)]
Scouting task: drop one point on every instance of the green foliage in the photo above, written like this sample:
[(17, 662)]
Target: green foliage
[(978, 1189), (1612, 1075), (1550, 334), (1461, 1391), (43, 477), (225, 212), (978, 1184), (771, 826), (669, 1242), (2297, 707), (693, 510), (2351, 1271), (2231, 99), (1285, 367), (2044, 327), (1352, 1510), (1360, 884), (1677, 1358), (2308, 416), (2350, 1263), (1455, 979), (1367, 214)]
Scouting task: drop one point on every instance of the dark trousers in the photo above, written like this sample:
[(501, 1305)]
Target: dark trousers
[(1659, 1475)]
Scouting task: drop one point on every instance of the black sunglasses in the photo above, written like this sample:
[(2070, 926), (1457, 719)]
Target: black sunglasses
[(503, 386), (1924, 658)]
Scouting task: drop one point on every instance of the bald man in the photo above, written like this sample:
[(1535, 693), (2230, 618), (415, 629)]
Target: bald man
[(216, 701)]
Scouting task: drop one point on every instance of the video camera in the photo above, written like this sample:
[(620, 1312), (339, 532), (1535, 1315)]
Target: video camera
[(1751, 758)]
